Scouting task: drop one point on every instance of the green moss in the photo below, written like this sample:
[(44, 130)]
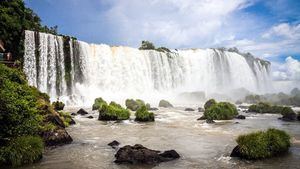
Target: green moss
[(98, 103), (209, 103), (259, 145), (263, 107), (22, 150), (48, 127), (113, 111), (66, 117), (135, 104), (58, 105), (143, 115), (221, 111)]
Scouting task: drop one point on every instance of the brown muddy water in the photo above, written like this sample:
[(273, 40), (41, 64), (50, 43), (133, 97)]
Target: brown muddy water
[(200, 145)]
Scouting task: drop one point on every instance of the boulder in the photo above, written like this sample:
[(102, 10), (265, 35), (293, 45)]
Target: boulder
[(114, 144), (113, 111), (143, 115), (73, 114), (240, 117), (288, 114), (55, 119), (209, 103), (164, 103), (139, 154), (57, 137), (200, 109), (189, 109), (236, 152), (82, 112), (58, 105)]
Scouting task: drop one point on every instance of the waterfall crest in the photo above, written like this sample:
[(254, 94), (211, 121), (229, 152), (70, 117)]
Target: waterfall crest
[(78, 72)]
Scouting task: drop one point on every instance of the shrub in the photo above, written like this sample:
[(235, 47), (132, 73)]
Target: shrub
[(113, 111), (98, 103), (18, 109), (146, 45), (58, 105), (22, 150), (164, 103), (143, 115), (221, 111), (66, 117), (259, 145), (209, 103)]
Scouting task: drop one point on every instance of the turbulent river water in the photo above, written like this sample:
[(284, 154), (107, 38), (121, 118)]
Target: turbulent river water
[(200, 145)]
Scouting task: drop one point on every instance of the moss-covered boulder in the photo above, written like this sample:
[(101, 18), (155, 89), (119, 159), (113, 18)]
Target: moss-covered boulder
[(164, 103), (98, 103), (221, 111), (142, 114), (209, 103), (288, 114), (113, 111), (58, 105), (262, 144), (67, 118), (264, 107), (133, 105)]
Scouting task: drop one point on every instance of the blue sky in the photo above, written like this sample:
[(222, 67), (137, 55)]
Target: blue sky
[(270, 29)]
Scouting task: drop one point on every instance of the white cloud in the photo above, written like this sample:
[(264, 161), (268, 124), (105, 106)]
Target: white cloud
[(288, 71), (174, 23), (284, 30)]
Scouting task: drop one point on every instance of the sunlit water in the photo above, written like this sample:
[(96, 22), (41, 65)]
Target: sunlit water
[(200, 145)]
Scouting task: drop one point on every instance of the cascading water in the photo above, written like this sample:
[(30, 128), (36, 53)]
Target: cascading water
[(78, 72)]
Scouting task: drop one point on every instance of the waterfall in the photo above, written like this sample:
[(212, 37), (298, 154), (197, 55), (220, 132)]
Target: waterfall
[(78, 72)]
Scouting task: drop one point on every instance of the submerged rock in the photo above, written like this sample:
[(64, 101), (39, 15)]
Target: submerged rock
[(202, 118), (114, 144), (240, 117), (288, 114), (82, 112), (189, 109), (139, 154), (89, 117), (200, 109), (153, 109), (73, 114), (209, 121), (164, 103)]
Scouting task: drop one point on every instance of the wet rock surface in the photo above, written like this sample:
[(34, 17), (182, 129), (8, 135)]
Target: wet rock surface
[(139, 154)]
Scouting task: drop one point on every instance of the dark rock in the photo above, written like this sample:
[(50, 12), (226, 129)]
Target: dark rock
[(55, 119), (56, 137), (240, 117), (72, 122), (73, 114), (153, 109), (90, 117), (82, 112), (189, 109), (209, 121), (236, 152), (202, 118), (237, 122), (114, 144), (298, 118), (200, 109), (139, 154)]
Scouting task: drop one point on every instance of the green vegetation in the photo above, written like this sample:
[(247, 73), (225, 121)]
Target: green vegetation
[(22, 150), (143, 115), (58, 105), (98, 103), (135, 104), (66, 117), (25, 114), (164, 103), (15, 18), (113, 111), (263, 107), (252, 99), (146, 45), (259, 145), (209, 103), (288, 114), (220, 111)]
